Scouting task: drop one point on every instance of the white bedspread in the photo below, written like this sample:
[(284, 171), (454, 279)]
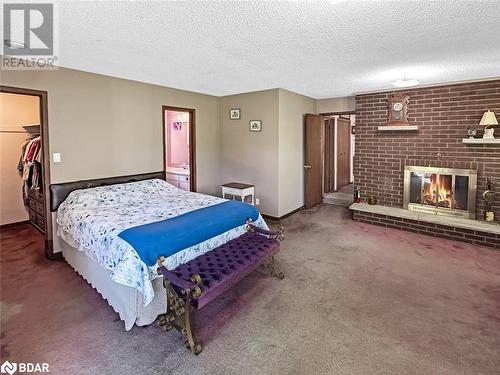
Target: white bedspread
[(94, 217)]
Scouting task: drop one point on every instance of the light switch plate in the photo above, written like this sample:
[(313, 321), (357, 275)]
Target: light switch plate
[(56, 157), (257, 201)]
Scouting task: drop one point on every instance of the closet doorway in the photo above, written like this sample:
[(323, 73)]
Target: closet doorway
[(339, 158), (179, 146), (343, 152), (24, 158)]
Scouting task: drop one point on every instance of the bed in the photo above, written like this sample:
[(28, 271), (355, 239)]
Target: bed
[(91, 215)]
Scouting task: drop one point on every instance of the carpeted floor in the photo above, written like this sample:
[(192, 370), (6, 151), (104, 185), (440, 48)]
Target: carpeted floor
[(356, 299)]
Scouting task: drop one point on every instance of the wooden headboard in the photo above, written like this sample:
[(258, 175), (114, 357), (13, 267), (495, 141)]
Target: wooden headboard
[(59, 192)]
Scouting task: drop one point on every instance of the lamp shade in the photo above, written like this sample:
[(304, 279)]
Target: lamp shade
[(488, 119)]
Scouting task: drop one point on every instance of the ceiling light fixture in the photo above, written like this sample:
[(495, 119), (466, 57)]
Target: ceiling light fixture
[(405, 82), (13, 44)]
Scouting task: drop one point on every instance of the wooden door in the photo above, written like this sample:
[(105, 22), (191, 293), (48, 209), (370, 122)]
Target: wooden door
[(329, 155), (313, 161), (343, 152)]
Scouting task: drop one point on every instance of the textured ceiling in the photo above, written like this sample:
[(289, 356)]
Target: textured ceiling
[(320, 49)]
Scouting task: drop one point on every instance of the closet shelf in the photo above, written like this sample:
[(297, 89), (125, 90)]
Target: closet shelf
[(32, 128)]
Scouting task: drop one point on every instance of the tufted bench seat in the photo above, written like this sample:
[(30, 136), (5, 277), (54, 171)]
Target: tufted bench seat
[(196, 283)]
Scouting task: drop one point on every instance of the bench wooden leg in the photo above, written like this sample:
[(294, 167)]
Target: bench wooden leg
[(196, 348), (178, 315), (167, 320), (273, 269)]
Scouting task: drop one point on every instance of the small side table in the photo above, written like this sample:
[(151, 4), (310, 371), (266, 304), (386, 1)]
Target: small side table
[(237, 189)]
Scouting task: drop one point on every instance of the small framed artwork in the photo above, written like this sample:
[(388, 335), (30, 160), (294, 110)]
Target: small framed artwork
[(234, 114), (255, 125)]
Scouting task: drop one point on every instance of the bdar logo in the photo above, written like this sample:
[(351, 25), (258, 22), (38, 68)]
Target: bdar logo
[(8, 368)]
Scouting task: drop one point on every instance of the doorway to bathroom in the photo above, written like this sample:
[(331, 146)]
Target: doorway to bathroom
[(179, 148)]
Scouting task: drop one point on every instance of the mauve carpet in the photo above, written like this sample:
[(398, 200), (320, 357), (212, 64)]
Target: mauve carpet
[(356, 299)]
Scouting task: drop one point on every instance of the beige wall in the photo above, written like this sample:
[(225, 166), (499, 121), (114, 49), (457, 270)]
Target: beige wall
[(105, 126), (343, 104), (18, 110), (292, 108), (252, 157), (271, 159), (15, 111)]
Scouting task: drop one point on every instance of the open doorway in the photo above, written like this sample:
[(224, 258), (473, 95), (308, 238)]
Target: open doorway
[(328, 159), (25, 161), (339, 156), (179, 151)]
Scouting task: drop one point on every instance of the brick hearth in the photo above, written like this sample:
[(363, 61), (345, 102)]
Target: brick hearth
[(442, 115), (472, 231)]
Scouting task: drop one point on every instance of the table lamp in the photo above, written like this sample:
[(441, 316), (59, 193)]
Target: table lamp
[(487, 120)]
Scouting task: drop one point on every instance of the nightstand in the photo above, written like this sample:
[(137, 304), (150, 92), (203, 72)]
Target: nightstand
[(237, 189)]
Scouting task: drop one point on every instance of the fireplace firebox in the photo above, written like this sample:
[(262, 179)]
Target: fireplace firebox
[(444, 191)]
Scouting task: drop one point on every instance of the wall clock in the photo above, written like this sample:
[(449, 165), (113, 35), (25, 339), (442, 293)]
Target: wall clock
[(398, 109)]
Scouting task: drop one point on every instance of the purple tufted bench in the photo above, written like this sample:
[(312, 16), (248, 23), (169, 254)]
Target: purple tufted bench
[(198, 282)]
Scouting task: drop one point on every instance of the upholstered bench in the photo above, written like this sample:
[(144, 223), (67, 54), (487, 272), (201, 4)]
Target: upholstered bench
[(198, 282)]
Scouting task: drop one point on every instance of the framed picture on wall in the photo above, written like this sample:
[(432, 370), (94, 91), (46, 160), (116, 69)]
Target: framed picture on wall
[(177, 125), (255, 125), (234, 114)]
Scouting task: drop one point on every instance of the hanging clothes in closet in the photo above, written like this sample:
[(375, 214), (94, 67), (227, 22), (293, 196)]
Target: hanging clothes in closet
[(30, 166)]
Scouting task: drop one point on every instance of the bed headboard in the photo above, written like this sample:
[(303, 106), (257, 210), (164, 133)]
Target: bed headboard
[(59, 192)]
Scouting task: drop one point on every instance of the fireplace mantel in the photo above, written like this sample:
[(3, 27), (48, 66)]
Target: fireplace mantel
[(481, 141), (397, 128)]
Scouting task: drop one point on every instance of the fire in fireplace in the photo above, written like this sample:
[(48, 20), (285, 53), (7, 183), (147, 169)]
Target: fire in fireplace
[(445, 191)]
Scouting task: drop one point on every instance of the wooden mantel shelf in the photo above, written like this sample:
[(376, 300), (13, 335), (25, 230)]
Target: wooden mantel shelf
[(400, 128), (481, 141)]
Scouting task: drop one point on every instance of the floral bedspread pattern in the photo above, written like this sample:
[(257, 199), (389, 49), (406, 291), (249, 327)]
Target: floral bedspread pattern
[(94, 217)]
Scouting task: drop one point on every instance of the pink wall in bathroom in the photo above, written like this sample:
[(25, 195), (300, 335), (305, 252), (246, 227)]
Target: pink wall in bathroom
[(177, 140)]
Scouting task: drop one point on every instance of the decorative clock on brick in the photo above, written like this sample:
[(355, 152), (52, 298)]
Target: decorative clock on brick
[(398, 109)]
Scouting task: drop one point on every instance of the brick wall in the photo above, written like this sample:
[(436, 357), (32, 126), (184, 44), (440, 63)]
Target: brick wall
[(442, 114)]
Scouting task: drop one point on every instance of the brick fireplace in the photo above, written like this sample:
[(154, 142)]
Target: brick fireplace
[(441, 115)]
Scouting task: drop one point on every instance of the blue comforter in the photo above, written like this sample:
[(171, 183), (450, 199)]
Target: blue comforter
[(169, 236)]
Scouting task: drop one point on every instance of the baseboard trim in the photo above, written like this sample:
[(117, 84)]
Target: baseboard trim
[(49, 251), (274, 218), (17, 223)]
